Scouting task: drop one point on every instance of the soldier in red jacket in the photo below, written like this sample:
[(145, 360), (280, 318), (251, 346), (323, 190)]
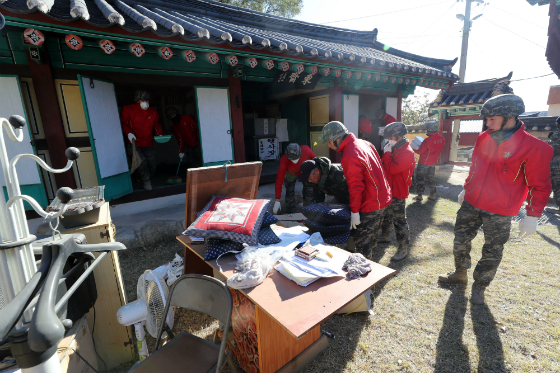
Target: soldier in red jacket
[(398, 163), (186, 133), (139, 123), (367, 185), (365, 127), (509, 166), (429, 153), (288, 174), (386, 118)]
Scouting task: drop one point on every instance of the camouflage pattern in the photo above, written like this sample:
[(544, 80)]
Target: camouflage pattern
[(142, 95), (396, 129), (395, 215), (496, 230), (425, 173), (290, 199), (293, 151), (558, 123), (555, 166), (367, 233), (332, 182), (333, 130), (171, 112), (432, 127), (147, 168), (507, 106)]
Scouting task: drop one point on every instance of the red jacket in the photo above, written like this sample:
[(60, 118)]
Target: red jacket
[(388, 119), (186, 133), (367, 184), (503, 176), (141, 123), (399, 167), (364, 125), (431, 148), (292, 168)]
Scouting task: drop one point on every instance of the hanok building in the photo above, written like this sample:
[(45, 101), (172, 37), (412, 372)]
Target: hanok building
[(553, 44), (71, 65)]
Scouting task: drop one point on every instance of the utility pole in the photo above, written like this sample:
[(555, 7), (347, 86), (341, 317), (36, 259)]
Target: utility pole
[(462, 69)]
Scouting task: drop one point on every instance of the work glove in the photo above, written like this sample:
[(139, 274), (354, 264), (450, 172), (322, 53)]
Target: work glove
[(387, 148), (355, 220), (528, 226), (181, 155), (131, 137), (461, 197), (276, 207)]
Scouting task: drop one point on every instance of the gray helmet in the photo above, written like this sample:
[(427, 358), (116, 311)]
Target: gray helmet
[(507, 106), (142, 95), (396, 129), (293, 151), (333, 130), (171, 112), (432, 127), (379, 112)]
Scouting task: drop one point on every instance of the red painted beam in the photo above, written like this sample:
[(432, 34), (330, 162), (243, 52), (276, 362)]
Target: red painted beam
[(335, 113), (53, 126), (236, 110)]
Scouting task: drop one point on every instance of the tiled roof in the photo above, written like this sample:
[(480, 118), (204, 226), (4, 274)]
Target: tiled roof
[(539, 2), (472, 93), (217, 23), (539, 123)]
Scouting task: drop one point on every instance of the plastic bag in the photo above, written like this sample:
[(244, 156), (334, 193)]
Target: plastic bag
[(253, 266), (174, 270)]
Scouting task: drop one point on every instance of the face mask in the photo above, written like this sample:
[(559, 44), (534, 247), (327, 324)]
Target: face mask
[(144, 105), (176, 119), (392, 142), (295, 160)]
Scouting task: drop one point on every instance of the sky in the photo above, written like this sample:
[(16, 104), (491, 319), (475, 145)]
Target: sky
[(510, 35)]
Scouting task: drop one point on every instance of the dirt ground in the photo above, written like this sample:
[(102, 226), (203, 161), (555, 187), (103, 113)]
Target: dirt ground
[(420, 326)]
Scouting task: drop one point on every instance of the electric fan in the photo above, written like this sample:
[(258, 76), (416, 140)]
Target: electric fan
[(153, 295)]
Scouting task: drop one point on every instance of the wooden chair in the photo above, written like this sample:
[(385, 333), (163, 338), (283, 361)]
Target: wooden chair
[(187, 352)]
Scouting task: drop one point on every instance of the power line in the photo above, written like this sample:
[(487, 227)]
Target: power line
[(535, 77), (505, 11), (433, 23), (523, 37), (382, 14)]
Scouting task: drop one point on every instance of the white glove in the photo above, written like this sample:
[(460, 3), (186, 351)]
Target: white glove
[(462, 197), (181, 155), (528, 226), (276, 207), (355, 220), (387, 148), (131, 137)]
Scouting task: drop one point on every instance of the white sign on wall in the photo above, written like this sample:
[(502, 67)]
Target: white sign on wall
[(351, 112)]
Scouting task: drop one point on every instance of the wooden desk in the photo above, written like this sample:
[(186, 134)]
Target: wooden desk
[(287, 316)]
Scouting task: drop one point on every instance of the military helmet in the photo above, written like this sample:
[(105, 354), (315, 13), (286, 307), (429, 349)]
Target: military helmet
[(432, 127), (396, 129), (142, 95), (171, 111), (333, 130), (507, 106), (379, 112), (554, 136), (293, 151)]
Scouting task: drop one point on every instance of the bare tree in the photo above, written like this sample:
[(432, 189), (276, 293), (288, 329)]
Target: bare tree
[(283, 8)]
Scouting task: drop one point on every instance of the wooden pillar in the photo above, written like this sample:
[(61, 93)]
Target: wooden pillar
[(236, 118), (52, 120), (446, 130), (335, 113), (399, 103)]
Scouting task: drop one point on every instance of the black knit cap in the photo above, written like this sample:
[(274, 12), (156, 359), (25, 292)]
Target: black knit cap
[(305, 169)]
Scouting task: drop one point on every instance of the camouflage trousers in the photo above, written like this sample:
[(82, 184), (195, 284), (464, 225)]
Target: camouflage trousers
[(367, 233), (555, 178), (192, 157), (496, 233), (425, 173), (395, 214), (148, 166), (290, 201)]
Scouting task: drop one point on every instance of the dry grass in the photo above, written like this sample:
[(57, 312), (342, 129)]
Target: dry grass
[(419, 326)]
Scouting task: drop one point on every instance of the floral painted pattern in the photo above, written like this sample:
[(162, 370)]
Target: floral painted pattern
[(246, 349)]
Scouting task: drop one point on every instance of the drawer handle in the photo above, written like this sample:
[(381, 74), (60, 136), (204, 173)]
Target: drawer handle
[(106, 234)]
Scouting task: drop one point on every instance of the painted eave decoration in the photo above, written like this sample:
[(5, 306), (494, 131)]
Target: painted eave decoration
[(74, 42), (216, 23), (33, 36)]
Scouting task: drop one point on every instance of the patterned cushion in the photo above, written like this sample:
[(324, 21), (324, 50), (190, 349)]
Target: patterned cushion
[(235, 219), (267, 236), (326, 213), (216, 247), (340, 238), (269, 219), (327, 230)]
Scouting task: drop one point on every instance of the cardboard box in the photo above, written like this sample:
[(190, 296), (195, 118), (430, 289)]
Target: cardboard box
[(78, 338)]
